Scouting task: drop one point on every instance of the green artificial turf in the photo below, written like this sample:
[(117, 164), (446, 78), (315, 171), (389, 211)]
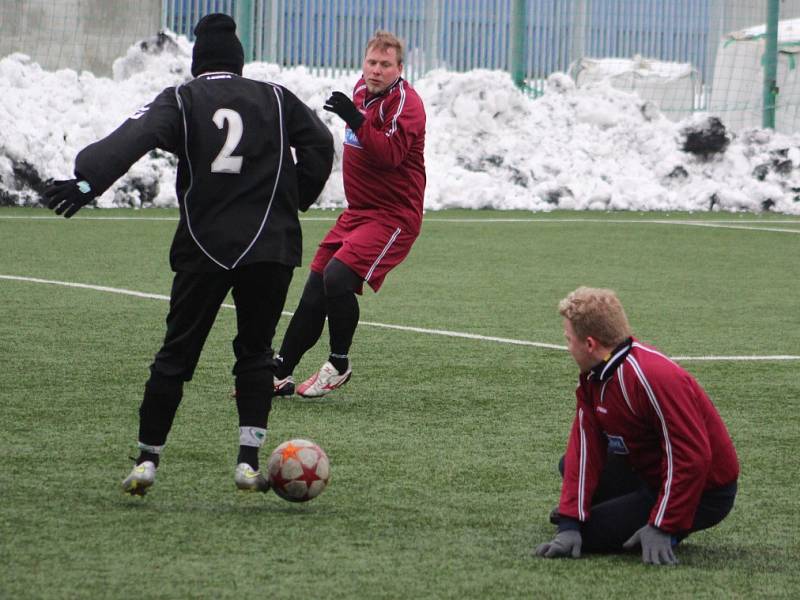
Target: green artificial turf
[(443, 449)]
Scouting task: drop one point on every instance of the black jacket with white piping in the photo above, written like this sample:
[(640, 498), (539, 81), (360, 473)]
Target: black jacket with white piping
[(239, 185)]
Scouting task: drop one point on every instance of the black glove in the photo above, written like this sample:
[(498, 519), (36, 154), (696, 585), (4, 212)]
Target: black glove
[(68, 196), (341, 105), (656, 546), (566, 543)]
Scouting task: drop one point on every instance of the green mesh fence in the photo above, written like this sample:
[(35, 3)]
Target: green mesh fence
[(683, 55), (737, 94), (79, 34)]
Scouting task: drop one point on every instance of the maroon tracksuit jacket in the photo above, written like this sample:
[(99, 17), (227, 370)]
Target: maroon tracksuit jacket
[(641, 404), (384, 163)]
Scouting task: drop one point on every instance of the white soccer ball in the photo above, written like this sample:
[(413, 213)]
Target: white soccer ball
[(298, 470)]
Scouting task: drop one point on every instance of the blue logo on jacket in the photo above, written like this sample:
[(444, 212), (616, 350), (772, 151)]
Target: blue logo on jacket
[(616, 444), (351, 139)]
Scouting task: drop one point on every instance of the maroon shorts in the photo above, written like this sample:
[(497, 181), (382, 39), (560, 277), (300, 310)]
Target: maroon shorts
[(371, 249)]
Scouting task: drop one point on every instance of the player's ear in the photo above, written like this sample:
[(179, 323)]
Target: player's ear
[(591, 343)]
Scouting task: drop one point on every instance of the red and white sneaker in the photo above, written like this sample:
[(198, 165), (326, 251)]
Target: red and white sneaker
[(283, 387), (323, 381)]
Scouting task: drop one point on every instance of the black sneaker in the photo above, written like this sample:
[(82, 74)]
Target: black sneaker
[(283, 387)]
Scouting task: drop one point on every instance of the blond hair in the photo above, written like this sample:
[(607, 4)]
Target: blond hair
[(598, 313), (383, 40)]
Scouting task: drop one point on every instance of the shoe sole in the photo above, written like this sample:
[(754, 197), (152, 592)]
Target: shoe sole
[(248, 490), (346, 379), (246, 487), (137, 488)]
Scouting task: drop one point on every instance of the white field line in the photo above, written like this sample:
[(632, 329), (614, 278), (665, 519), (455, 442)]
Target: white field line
[(711, 224), (441, 332), (721, 224), (53, 217), (88, 216)]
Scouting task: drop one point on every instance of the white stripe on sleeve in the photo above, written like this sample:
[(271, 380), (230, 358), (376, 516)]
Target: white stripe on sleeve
[(621, 376), (399, 111), (667, 444), (581, 469)]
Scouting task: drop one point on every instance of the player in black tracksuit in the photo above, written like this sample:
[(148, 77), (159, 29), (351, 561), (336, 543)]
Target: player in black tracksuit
[(239, 190)]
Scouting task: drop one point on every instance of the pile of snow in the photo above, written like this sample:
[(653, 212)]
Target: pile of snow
[(488, 145)]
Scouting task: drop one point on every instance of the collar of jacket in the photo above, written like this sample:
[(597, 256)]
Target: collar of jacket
[(605, 369), (216, 73)]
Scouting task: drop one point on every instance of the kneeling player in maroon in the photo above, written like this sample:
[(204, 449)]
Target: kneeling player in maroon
[(649, 459), (384, 183)]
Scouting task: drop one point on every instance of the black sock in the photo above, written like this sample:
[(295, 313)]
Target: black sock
[(249, 455), (343, 314), (280, 367), (253, 403), (339, 362), (145, 456)]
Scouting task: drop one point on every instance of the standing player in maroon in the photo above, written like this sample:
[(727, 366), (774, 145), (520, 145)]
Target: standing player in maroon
[(384, 183), (649, 459)]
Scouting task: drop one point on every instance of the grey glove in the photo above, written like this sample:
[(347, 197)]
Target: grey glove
[(656, 546), (566, 543)]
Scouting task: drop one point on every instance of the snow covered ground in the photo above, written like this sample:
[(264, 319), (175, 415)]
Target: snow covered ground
[(488, 145)]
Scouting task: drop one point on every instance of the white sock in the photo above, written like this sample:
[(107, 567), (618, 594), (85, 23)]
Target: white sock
[(252, 436)]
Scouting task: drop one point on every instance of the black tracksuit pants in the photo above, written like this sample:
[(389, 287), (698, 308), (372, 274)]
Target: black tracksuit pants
[(259, 293), (622, 503)]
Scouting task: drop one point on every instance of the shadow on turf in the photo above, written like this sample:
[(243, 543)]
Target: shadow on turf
[(694, 554), (713, 558), (746, 558), (242, 504)]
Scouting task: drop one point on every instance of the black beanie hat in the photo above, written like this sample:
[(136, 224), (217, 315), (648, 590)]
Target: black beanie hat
[(216, 47)]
